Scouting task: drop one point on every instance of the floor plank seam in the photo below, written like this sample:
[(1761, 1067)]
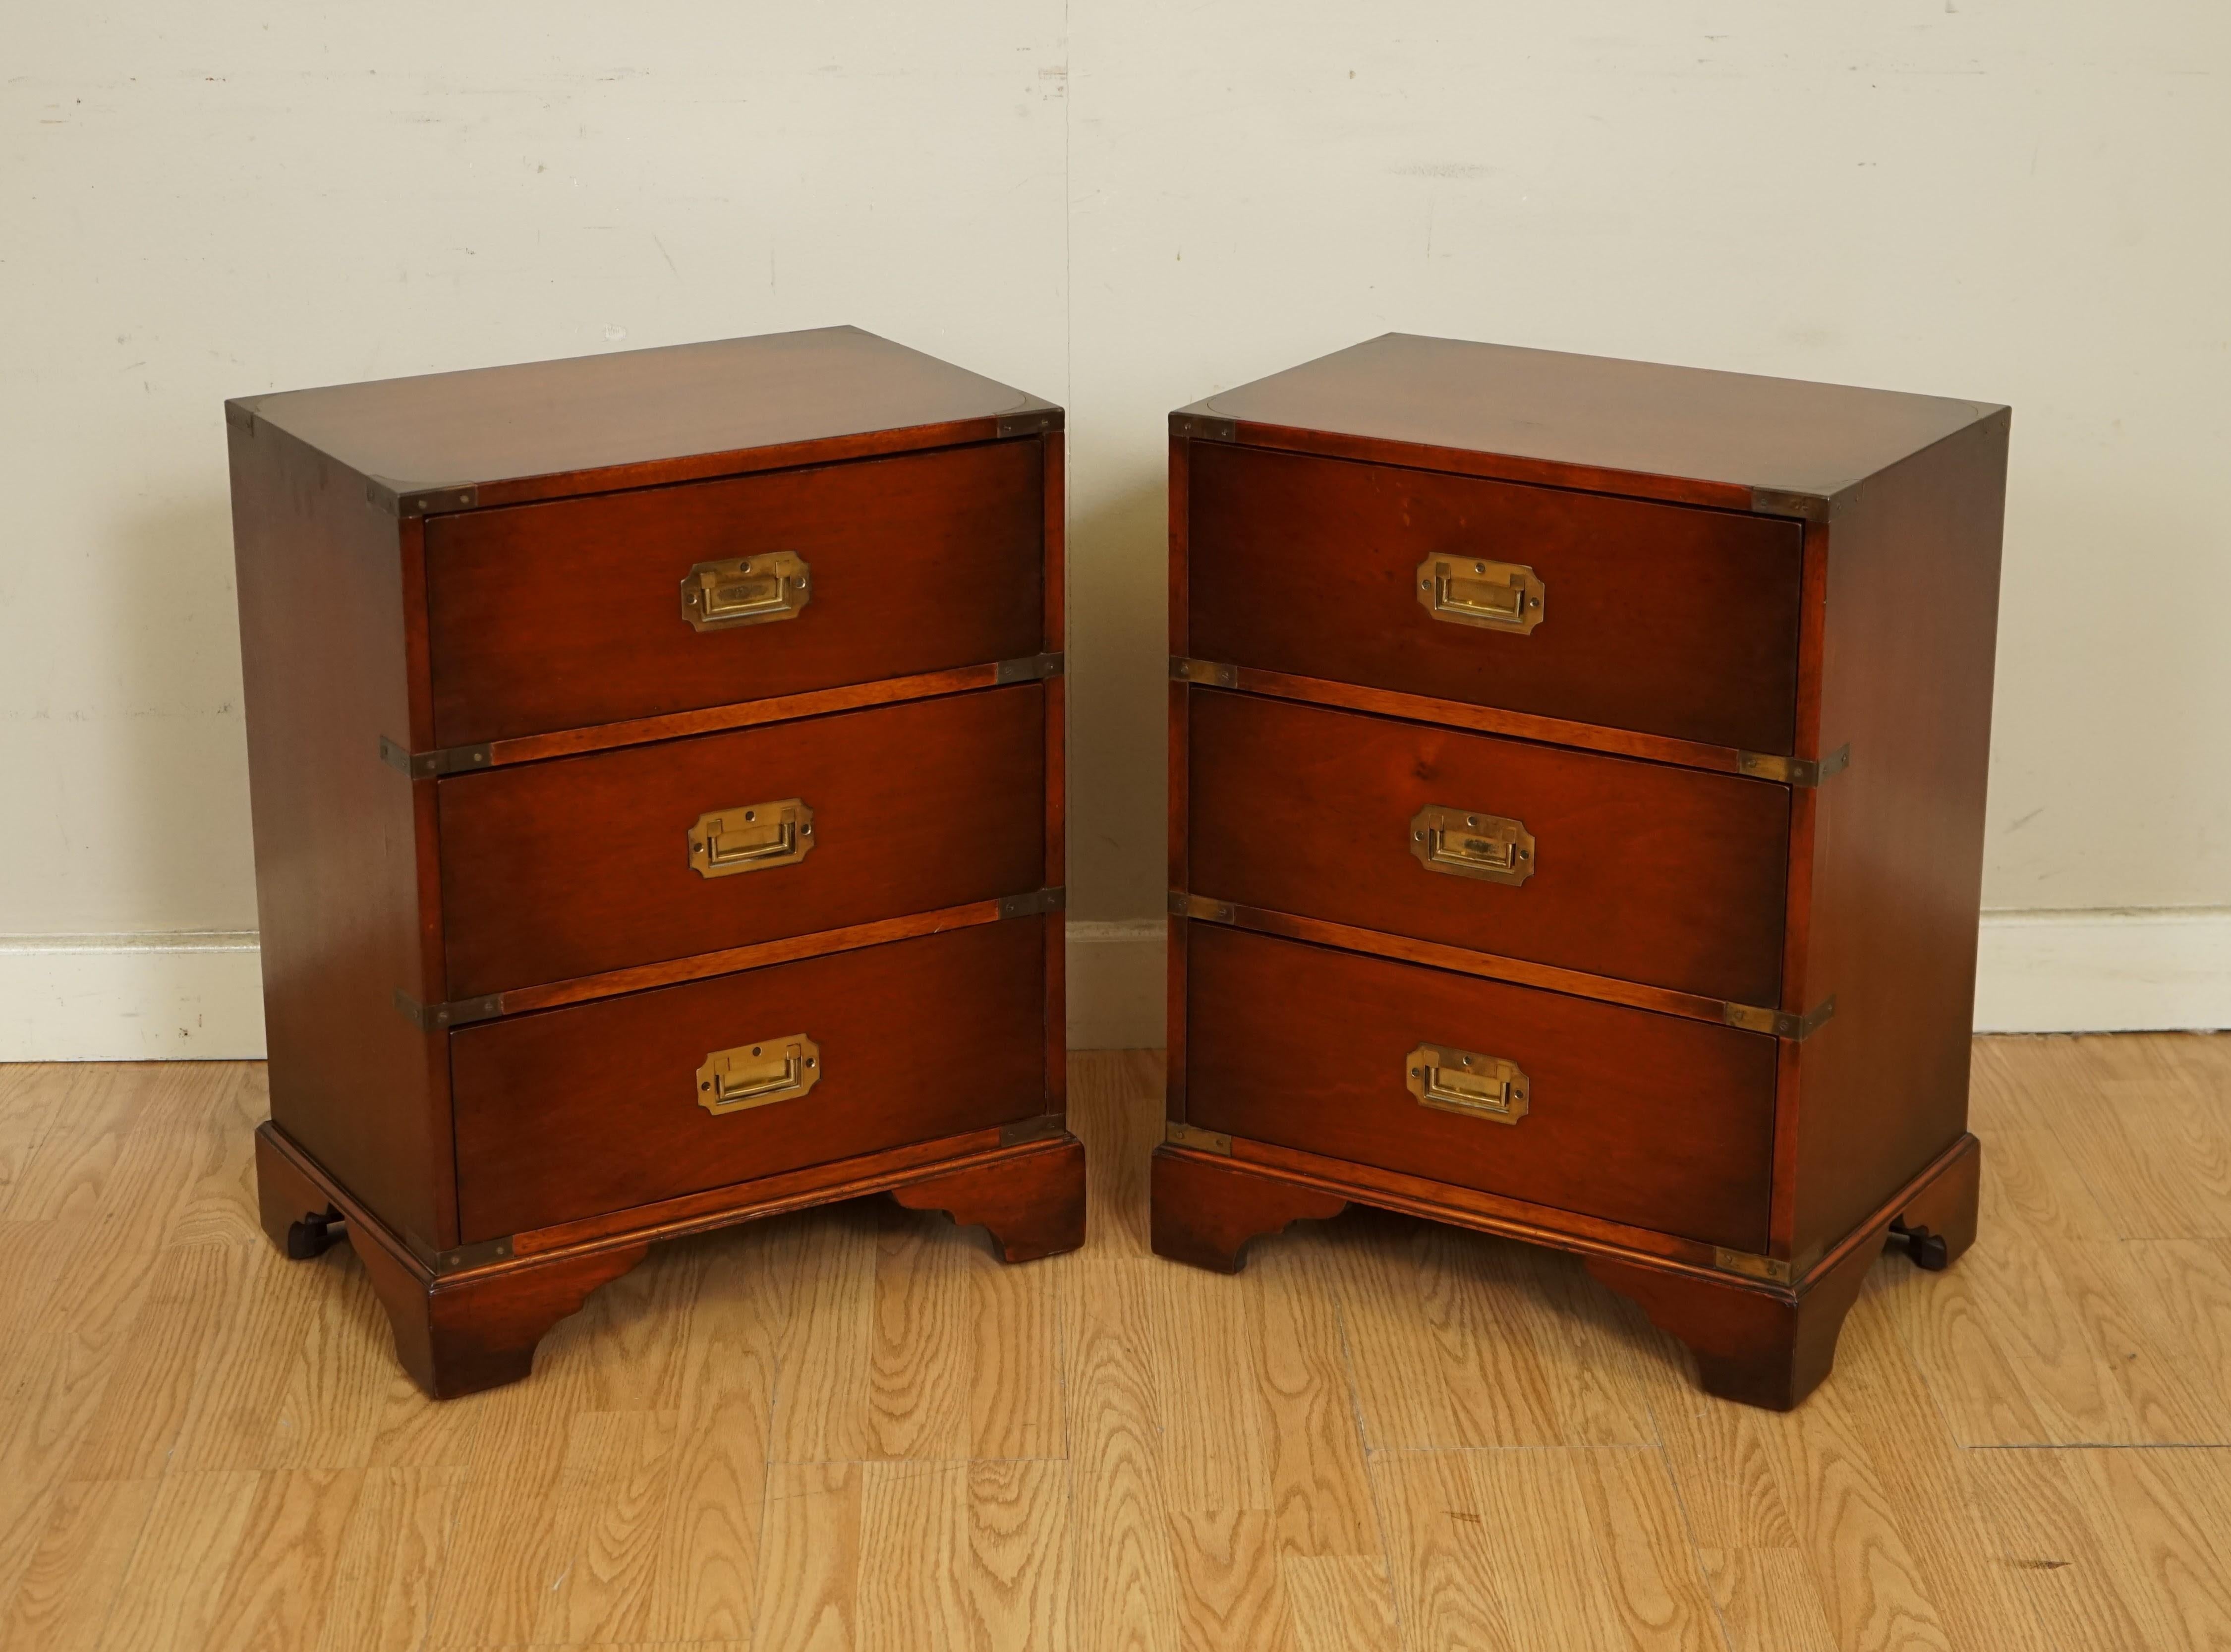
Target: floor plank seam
[(1394, 1609)]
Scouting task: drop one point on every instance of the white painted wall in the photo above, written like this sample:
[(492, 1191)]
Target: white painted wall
[(1125, 207)]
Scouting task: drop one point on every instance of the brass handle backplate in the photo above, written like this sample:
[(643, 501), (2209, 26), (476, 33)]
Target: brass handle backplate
[(746, 590), (753, 1075), (1465, 590), (750, 837), (1463, 1080), (1467, 844)]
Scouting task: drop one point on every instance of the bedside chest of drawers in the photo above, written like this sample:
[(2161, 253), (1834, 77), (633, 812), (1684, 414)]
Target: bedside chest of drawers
[(656, 774), (1577, 774)]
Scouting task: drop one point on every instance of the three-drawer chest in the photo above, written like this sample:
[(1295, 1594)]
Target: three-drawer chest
[(656, 762), (1577, 779)]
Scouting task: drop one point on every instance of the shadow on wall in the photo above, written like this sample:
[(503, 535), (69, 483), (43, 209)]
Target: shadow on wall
[(1118, 699)]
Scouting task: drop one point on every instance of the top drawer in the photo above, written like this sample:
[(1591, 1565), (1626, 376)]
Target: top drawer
[(1666, 619), (569, 615)]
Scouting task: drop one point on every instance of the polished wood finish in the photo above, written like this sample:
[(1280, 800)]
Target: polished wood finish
[(1486, 720), (568, 614), (579, 867), (1771, 1348), (1638, 429), (1673, 621), (1207, 1213), (1639, 1118), (481, 729), (639, 418), (1488, 965), (751, 713), (1759, 729), (1893, 935), (703, 966), (1644, 872), (1033, 1204), (340, 881), (1384, 1435), (477, 1327), (577, 1112)]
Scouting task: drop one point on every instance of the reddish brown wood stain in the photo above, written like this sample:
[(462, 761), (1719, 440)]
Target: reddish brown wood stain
[(1639, 870), (1733, 565), (495, 556), (1670, 620), (553, 870), (558, 616)]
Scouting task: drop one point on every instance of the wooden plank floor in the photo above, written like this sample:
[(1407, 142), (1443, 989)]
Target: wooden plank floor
[(851, 1429)]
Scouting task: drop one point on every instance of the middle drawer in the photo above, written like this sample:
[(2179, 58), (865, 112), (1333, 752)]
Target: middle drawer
[(585, 864), (1638, 871)]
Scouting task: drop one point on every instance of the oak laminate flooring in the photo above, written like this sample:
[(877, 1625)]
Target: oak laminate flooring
[(852, 1429)]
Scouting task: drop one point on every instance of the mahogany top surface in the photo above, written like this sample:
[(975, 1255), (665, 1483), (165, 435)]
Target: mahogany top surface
[(1600, 413), (587, 413)]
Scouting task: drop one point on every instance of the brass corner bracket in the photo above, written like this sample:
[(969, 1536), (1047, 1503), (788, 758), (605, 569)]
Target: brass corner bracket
[(1778, 1024), (1204, 427), (1795, 772), (1203, 671), (1201, 1141)]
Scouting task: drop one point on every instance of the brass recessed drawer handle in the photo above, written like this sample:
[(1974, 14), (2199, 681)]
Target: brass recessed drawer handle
[(753, 1075), (1465, 843), (1467, 591), (1463, 1080), (750, 837), (746, 590)]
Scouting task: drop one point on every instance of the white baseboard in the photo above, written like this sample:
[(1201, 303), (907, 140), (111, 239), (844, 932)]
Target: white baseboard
[(2160, 970), (131, 997), (147, 997)]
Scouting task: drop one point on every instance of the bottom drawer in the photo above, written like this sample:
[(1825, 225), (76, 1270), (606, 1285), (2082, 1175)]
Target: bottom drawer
[(1648, 1119), (577, 1112)]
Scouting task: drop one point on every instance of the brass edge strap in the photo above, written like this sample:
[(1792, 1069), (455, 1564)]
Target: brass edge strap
[(432, 1017), (1208, 671), (1029, 906), (423, 501), (1778, 1022), (1751, 1266), (1796, 772), (421, 765), (1201, 1141), (1784, 502), (1030, 669), (1204, 427), (465, 1256), (1033, 1129), (1036, 421), (1192, 906)]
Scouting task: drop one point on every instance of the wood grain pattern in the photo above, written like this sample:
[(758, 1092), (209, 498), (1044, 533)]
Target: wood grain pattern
[(1306, 1047), (1638, 871), (919, 1039), (852, 1426), (581, 866), (343, 841), (1673, 621), (634, 418), (1633, 427), (566, 615)]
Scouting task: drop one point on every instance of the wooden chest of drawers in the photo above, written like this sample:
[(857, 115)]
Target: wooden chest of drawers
[(656, 774), (1576, 778)]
